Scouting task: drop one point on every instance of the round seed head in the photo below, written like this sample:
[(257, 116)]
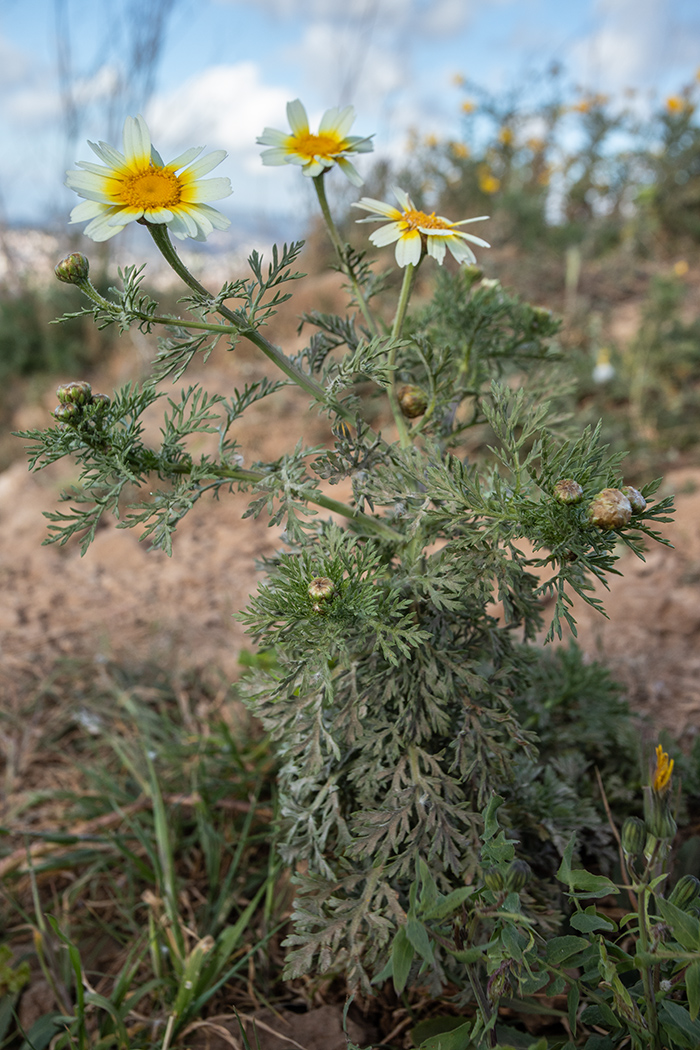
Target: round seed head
[(637, 501), (568, 491), (412, 401), (610, 509)]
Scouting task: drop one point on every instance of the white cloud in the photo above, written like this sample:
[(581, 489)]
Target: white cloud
[(635, 44), (424, 17), (344, 68), (14, 64), (223, 107), (227, 107)]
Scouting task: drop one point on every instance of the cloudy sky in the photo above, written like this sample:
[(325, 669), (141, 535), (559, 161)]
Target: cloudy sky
[(72, 70)]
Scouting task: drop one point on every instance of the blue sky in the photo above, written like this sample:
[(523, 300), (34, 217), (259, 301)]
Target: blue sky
[(229, 66)]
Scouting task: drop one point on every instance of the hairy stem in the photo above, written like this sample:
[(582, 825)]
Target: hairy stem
[(647, 978), (341, 253), (161, 238), (404, 435), (369, 525)]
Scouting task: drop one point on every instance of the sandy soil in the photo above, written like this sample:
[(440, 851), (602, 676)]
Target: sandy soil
[(127, 604)]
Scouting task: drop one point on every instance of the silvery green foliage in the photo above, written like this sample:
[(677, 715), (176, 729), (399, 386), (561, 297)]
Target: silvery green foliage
[(392, 703)]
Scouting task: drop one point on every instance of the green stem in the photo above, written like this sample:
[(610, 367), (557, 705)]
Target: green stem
[(161, 238), (483, 1002), (647, 979), (373, 526), (341, 253), (404, 434)]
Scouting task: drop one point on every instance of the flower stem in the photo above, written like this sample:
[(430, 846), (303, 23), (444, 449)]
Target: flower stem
[(372, 526), (159, 233), (647, 980), (341, 253), (409, 274)]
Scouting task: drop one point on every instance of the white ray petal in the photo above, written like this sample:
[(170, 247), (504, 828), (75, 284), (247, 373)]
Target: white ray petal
[(296, 115), (408, 248)]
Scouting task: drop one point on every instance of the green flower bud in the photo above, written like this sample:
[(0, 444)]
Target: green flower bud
[(74, 393), (493, 879), (100, 402), (67, 413), (541, 317), (684, 892), (498, 984), (74, 269), (517, 876), (321, 592), (657, 816), (472, 273), (633, 836), (412, 401), (610, 510), (637, 501), (568, 491)]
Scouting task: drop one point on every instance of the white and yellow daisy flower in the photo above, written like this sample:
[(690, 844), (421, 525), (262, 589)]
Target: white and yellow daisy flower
[(416, 232), (315, 153), (136, 184)]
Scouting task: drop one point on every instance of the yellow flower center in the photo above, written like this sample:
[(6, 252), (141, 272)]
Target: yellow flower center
[(417, 220), (152, 188), (308, 145)]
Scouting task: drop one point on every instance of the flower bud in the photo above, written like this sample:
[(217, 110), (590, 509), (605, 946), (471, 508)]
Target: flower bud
[(100, 402), (321, 591), (472, 273), (497, 984), (412, 401), (633, 836), (684, 892), (67, 413), (493, 879), (74, 393), (657, 816), (517, 876), (637, 501), (74, 269), (568, 491), (610, 509), (342, 430), (541, 316)]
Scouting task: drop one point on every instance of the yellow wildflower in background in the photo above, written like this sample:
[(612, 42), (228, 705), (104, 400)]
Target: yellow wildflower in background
[(315, 153), (680, 268), (584, 105), (675, 104), (488, 183), (663, 771), (415, 232), (136, 184), (458, 79), (468, 106), (460, 150), (506, 136), (431, 141)]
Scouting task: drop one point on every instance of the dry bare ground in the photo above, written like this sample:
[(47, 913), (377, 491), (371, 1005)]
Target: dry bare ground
[(125, 603)]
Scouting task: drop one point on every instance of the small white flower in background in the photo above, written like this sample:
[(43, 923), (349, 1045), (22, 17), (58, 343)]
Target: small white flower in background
[(89, 721), (414, 231), (136, 184), (603, 370), (313, 152)]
